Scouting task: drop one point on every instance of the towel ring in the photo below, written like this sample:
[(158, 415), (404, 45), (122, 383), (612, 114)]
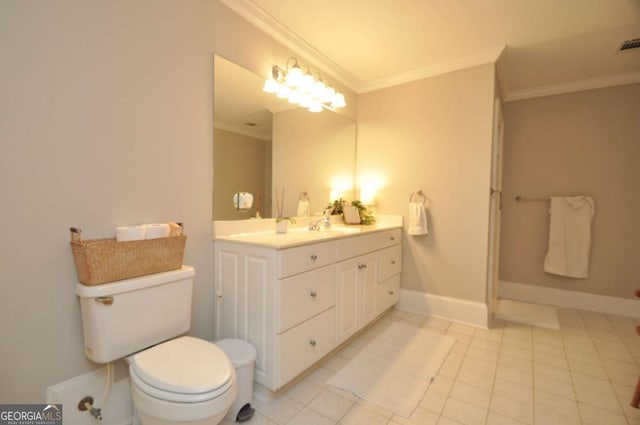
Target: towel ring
[(420, 194), (304, 196)]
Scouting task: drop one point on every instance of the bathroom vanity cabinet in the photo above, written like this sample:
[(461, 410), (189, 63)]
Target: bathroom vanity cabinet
[(296, 303)]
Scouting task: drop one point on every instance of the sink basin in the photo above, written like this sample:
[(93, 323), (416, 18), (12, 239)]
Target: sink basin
[(343, 229), (294, 235), (333, 230)]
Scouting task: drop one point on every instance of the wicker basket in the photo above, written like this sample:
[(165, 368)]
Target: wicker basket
[(106, 260)]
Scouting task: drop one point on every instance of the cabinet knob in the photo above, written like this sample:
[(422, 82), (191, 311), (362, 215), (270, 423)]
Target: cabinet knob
[(362, 266), (314, 257), (393, 261), (391, 292), (313, 294), (393, 238), (312, 343)]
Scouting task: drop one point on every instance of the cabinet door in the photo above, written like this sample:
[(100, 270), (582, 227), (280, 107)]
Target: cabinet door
[(346, 299), (367, 279), (229, 274), (245, 301)]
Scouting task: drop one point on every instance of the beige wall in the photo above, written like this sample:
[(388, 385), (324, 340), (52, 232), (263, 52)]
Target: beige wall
[(585, 143), (435, 135), (105, 119), (240, 165), (309, 152)]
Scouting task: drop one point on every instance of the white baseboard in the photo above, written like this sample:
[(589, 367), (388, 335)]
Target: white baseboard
[(454, 309), (118, 409), (569, 299)]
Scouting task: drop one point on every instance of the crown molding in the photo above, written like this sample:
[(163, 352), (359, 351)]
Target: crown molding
[(280, 33), (274, 29), (488, 56), (574, 86)]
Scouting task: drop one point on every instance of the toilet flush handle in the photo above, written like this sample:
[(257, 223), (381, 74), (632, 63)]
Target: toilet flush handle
[(104, 300)]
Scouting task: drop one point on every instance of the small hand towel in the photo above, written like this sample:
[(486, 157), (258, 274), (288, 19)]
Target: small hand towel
[(417, 219), (569, 236), (304, 209)]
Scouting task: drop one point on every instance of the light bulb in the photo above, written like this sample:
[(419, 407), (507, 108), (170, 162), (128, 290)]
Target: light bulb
[(306, 101), (283, 92), (338, 101), (328, 94), (294, 76), (307, 82), (315, 107), (318, 89), (295, 97), (270, 86)]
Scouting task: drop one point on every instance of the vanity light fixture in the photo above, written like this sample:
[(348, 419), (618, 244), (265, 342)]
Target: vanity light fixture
[(302, 88)]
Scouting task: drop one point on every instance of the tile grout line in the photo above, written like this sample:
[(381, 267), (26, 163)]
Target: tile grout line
[(622, 408), (495, 375), (573, 384)]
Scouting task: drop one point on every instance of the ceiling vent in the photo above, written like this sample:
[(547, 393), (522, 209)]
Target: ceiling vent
[(629, 45)]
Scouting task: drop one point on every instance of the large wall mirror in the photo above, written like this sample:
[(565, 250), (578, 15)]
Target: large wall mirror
[(265, 145)]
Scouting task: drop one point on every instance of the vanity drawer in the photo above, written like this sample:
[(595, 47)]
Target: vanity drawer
[(389, 262), (387, 293), (307, 257), (358, 245), (305, 295), (305, 344)]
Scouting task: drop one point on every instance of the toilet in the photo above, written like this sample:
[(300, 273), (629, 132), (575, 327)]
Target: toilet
[(174, 379)]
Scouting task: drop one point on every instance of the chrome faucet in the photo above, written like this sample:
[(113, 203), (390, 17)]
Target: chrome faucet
[(323, 222)]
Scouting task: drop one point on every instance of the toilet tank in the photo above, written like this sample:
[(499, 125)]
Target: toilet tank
[(126, 316)]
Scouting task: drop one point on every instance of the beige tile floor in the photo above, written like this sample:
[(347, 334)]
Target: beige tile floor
[(513, 374)]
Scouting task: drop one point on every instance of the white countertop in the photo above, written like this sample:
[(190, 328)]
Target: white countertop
[(298, 235)]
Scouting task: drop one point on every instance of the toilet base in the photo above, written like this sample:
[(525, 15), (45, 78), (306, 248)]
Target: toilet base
[(153, 411)]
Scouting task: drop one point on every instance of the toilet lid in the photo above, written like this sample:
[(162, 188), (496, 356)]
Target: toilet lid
[(184, 365)]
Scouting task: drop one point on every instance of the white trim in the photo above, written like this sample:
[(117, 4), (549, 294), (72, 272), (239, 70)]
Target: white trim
[(575, 86), (569, 299), (274, 29), (257, 17), (119, 405), (502, 74), (454, 309), (488, 56)]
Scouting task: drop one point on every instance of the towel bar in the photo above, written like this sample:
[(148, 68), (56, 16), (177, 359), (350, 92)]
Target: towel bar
[(520, 198)]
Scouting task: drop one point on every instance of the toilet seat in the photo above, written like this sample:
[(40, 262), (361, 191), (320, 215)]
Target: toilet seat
[(183, 370)]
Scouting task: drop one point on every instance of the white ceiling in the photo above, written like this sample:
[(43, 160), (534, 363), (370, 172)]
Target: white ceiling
[(552, 46)]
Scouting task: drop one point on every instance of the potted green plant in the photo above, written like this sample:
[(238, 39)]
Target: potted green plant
[(366, 215)]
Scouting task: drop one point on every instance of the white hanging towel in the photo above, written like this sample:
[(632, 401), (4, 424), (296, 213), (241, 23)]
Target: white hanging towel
[(417, 219), (304, 209), (569, 236)]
